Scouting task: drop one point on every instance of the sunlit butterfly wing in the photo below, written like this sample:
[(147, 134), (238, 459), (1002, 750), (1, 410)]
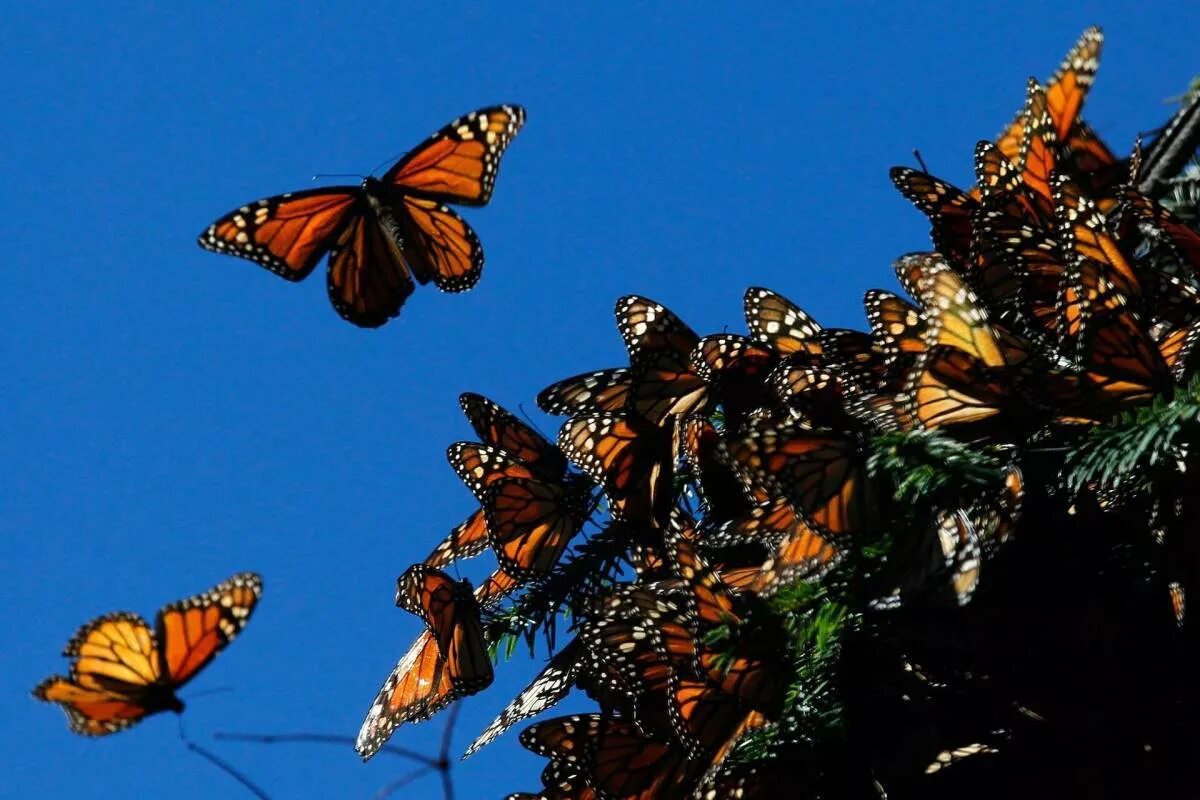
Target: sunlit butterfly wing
[(1037, 157), (459, 163), (530, 523), (502, 429), (948, 208), (289, 233), (1083, 232), (438, 245), (660, 345), (630, 460), (774, 320), (600, 391), (550, 686), (897, 325), (706, 720), (191, 632), (115, 669)]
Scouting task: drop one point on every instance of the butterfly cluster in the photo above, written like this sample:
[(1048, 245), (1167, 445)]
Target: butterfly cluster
[(717, 519)]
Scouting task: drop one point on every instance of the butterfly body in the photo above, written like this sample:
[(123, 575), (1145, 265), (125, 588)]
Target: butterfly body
[(387, 234), (123, 671)]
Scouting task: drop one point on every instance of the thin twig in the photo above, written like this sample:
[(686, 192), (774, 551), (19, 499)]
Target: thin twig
[(444, 754), (277, 738), (399, 783), (227, 768)]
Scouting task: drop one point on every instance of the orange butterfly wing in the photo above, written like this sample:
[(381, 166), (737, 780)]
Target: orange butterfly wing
[(115, 678), (191, 632), (289, 233), (529, 524), (459, 163), (369, 277)]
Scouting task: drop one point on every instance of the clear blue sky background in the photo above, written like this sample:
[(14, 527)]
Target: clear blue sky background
[(171, 416)]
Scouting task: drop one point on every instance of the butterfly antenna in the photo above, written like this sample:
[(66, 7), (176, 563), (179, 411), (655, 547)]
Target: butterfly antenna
[(221, 764), (532, 424), (323, 175), (207, 692), (920, 160)]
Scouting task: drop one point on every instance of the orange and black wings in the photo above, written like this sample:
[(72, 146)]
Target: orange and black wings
[(660, 346), (115, 667), (500, 428), (775, 321), (602, 390), (369, 277), (191, 632), (530, 523), (459, 163), (289, 233)]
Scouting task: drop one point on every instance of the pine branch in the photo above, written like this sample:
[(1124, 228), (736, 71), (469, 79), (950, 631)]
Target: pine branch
[(570, 588), (924, 465), (1139, 445)]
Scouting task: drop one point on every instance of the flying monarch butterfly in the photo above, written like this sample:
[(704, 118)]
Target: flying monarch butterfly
[(618, 758), (628, 457), (447, 661), (823, 474), (388, 232), (530, 522), (122, 670), (600, 391), (663, 382), (777, 322), (1065, 92)]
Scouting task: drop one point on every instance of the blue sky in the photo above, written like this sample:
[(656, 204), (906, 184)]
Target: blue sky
[(172, 416)]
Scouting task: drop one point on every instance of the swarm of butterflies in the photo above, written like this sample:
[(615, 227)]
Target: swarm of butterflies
[(731, 468), (712, 476)]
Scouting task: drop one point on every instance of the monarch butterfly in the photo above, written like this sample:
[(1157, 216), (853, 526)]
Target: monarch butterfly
[(550, 686), (627, 456), (948, 208), (618, 759), (733, 367), (965, 374), (599, 391), (802, 553), (745, 671), (897, 325), (516, 451), (502, 429), (823, 474), (478, 466), (706, 720), (660, 344), (1065, 92), (530, 522), (1037, 156), (122, 670), (1084, 235), (780, 324), (447, 661), (1119, 361), (388, 232), (1015, 260)]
